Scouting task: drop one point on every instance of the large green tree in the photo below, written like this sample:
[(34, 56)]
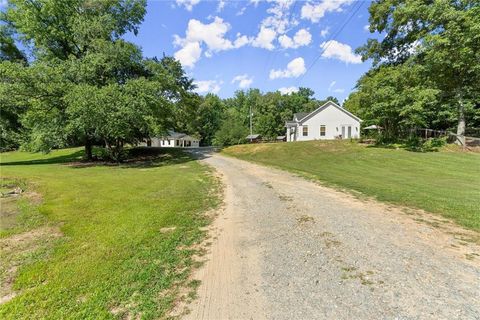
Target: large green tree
[(63, 29), (441, 35), (86, 84), (209, 115), (396, 97)]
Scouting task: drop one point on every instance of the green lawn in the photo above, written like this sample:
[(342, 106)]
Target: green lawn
[(123, 239), (446, 182)]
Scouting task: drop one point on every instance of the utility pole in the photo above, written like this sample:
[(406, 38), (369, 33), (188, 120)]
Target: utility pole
[(251, 128)]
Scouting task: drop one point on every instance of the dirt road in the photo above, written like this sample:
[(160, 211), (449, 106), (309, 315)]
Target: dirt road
[(286, 248)]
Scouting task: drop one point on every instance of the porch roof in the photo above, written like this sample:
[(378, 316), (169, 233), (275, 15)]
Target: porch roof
[(289, 124)]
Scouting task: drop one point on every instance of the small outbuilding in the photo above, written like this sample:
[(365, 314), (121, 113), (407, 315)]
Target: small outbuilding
[(281, 139), (254, 138)]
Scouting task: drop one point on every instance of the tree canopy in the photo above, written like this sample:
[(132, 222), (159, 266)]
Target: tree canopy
[(427, 67), (85, 84)]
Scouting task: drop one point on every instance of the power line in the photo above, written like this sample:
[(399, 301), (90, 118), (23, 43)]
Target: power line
[(334, 37)]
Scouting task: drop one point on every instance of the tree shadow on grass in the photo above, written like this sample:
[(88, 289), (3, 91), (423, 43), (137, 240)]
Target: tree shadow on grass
[(75, 156), (137, 157), (146, 157)]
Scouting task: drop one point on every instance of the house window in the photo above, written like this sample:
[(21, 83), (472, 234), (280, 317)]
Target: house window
[(178, 142), (323, 130), (305, 131)]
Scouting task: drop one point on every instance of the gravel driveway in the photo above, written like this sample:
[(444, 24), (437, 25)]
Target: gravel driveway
[(287, 248)]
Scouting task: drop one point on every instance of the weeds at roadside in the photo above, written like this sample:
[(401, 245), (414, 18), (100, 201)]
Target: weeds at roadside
[(285, 198), (471, 256), (267, 184), (363, 277), (305, 219)]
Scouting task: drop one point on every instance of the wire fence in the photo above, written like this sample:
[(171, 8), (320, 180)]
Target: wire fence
[(471, 141)]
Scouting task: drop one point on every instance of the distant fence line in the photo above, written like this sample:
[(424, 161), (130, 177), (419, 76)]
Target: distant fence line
[(451, 136)]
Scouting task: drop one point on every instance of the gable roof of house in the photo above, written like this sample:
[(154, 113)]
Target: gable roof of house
[(300, 115), (323, 107), (177, 135)]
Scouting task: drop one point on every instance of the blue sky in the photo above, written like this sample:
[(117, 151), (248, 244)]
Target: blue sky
[(270, 45)]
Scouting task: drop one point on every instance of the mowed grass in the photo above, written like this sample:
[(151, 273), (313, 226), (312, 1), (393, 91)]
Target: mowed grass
[(125, 235), (446, 182)]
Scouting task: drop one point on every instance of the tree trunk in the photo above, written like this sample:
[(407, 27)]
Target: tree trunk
[(88, 149), (461, 122)]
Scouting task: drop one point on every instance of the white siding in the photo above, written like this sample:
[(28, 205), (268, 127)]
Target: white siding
[(164, 143), (333, 119)]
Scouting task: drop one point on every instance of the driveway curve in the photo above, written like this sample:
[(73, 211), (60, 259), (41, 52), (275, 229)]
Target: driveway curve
[(283, 247)]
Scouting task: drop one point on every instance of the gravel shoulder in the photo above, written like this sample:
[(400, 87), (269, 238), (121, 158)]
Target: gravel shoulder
[(283, 247)]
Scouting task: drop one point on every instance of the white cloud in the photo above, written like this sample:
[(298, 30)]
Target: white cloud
[(206, 86), (243, 81), (241, 41), (301, 38), (315, 11), (188, 4), (221, 5), (335, 50), (325, 32), (288, 90), (255, 2), (332, 84), (211, 34), (280, 16), (295, 68), (265, 38), (366, 27), (241, 11), (189, 54)]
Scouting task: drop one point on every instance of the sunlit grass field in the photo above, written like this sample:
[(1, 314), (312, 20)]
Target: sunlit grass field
[(112, 241), (445, 182)]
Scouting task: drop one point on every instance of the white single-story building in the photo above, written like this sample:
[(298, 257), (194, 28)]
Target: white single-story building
[(327, 122), (173, 140)]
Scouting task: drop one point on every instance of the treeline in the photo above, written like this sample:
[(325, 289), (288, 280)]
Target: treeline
[(227, 122), (426, 70), (80, 83)]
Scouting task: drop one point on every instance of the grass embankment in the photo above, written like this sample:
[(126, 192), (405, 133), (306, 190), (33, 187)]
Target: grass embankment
[(108, 241), (446, 182)]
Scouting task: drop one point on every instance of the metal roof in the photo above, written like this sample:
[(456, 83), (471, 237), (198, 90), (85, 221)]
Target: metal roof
[(300, 115), (253, 136), (307, 116), (177, 135)]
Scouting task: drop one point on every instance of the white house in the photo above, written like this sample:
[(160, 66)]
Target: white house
[(327, 122), (173, 139)]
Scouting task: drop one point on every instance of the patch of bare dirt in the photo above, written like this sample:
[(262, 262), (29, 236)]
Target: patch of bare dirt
[(18, 250)]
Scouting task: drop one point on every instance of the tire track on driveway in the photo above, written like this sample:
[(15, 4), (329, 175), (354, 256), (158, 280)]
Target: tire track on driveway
[(286, 248)]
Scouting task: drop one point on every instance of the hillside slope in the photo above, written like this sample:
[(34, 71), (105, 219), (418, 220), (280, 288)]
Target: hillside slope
[(446, 182)]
